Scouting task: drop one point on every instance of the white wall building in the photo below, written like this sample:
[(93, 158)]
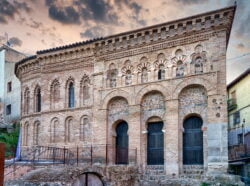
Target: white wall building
[(10, 97)]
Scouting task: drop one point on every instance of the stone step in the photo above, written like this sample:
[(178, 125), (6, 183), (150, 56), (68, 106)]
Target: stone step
[(193, 167), (154, 172), (193, 171), (148, 183), (193, 176), (155, 177), (155, 167)]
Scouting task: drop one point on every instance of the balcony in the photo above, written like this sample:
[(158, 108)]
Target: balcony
[(231, 104), (238, 152)]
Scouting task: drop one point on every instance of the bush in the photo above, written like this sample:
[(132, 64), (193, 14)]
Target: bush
[(11, 140), (205, 184)]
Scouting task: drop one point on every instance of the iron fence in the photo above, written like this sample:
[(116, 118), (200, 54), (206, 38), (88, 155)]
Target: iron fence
[(88, 154)]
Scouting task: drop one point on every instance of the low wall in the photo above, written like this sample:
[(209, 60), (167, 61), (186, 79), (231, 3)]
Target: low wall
[(16, 171), (110, 175)]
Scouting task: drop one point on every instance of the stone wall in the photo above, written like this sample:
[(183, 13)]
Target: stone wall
[(109, 176)]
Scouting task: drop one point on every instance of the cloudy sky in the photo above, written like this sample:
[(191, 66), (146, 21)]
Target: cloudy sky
[(33, 25)]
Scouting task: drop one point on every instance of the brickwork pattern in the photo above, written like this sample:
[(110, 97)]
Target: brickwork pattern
[(162, 73)]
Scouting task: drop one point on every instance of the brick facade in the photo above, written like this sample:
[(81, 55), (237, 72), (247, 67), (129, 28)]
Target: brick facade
[(166, 72)]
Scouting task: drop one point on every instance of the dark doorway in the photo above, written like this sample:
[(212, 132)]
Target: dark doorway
[(122, 143), (155, 154), (193, 141), (88, 179)]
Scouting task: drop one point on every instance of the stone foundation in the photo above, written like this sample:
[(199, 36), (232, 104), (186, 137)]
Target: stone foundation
[(119, 176)]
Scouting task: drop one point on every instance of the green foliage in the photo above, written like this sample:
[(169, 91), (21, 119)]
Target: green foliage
[(10, 139), (205, 184)]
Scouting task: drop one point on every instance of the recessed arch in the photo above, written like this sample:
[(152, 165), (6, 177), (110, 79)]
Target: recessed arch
[(151, 88), (37, 99), (36, 132), (112, 95), (84, 128), (69, 135), (54, 93), (194, 82)]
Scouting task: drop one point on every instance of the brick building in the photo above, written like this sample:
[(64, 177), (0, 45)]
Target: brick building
[(155, 96)]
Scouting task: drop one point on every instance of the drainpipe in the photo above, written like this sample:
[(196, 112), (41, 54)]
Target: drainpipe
[(18, 149)]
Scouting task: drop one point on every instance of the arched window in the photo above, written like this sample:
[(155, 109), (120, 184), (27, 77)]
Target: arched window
[(26, 103), (85, 89), (71, 95), (38, 99), (36, 130), (198, 65), (112, 79), (180, 69), (112, 75), (55, 93), (55, 131), (25, 134), (161, 72), (69, 130), (128, 78), (144, 75), (84, 128)]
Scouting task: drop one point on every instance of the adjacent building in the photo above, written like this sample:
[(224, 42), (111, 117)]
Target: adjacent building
[(10, 88), (155, 96), (239, 124)]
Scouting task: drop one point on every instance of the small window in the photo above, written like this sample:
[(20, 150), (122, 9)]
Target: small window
[(71, 95), (9, 87), (161, 73), (236, 117), (240, 138), (8, 110)]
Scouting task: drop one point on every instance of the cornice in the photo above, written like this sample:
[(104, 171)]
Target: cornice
[(157, 45)]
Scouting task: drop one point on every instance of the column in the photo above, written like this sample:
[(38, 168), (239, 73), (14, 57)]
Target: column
[(171, 137)]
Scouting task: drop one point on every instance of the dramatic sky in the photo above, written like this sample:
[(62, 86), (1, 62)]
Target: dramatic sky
[(33, 25)]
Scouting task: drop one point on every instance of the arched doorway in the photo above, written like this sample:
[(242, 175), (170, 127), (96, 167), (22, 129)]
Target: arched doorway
[(88, 179), (193, 141), (122, 143), (155, 145)]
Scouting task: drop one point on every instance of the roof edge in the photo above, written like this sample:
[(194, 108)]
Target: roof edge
[(132, 31), (240, 77)]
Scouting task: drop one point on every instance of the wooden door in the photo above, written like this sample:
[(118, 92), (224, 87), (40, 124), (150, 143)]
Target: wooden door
[(155, 145), (193, 141), (122, 143)]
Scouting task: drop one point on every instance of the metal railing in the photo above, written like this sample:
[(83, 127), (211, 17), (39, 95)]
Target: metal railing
[(89, 154), (239, 151), (231, 104)]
